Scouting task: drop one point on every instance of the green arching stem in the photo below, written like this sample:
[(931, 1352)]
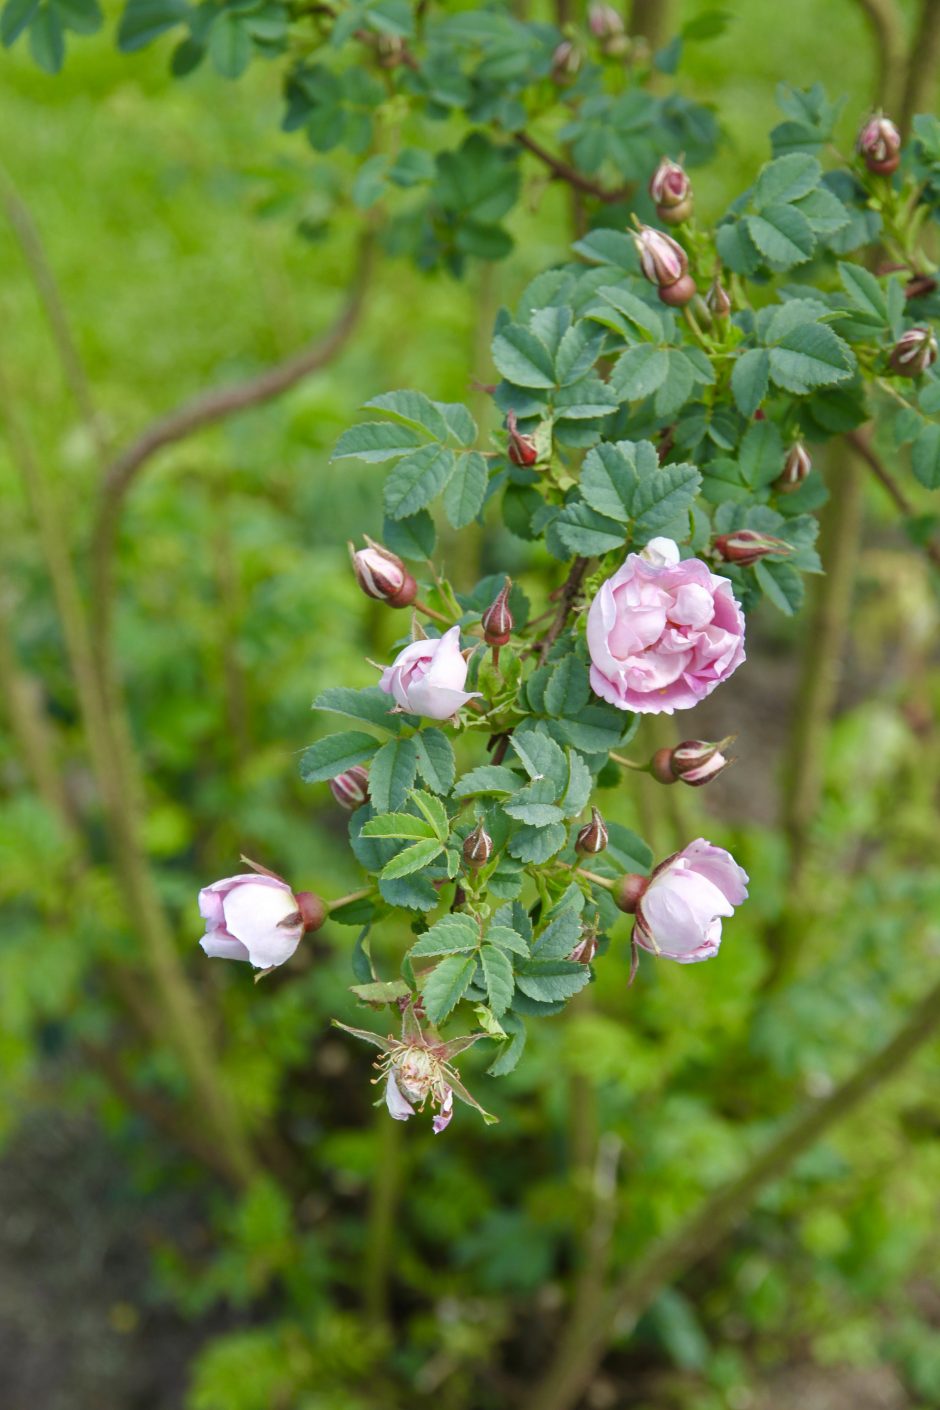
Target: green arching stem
[(348, 900), (431, 612)]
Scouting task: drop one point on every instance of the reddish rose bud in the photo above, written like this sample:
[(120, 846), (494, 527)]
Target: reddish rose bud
[(747, 546), (629, 890), (351, 789), (522, 449), (879, 145), (671, 191), (592, 838), (606, 24), (382, 575), (694, 761), (567, 61), (679, 294), (662, 259), (477, 847), (312, 909), (586, 948), (497, 619), (718, 300), (796, 467), (913, 353)]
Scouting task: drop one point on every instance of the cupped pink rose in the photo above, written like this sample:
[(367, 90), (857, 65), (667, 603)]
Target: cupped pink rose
[(663, 633), (253, 918), (428, 677), (678, 917)]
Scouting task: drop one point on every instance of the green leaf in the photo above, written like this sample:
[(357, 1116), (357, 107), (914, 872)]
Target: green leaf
[(584, 532), (761, 454), (783, 235), (375, 441), (749, 380), (412, 409), (434, 812), (787, 179), (370, 704), (537, 844), (446, 985), (413, 858), (335, 754), (661, 498), (551, 980), (392, 774), (579, 786), (508, 939), (597, 729), (577, 352), (80, 16), (417, 479), (824, 211), (864, 291), (436, 763), (46, 39), (559, 937), (497, 974), (522, 358), (540, 756), (507, 1059), (609, 480), (782, 584), (639, 371), (230, 44), (413, 537), (17, 14), (487, 778), (451, 935), (639, 313), (538, 812), (925, 457), (398, 825), (466, 489), (381, 991), (809, 356), (567, 691)]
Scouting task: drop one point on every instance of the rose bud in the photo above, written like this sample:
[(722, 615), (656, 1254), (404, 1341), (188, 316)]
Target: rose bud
[(629, 890), (497, 620), (586, 948), (383, 575), (477, 847), (662, 259), (607, 25), (747, 546), (913, 353), (592, 838), (671, 191), (522, 449), (920, 286), (879, 145), (566, 62), (796, 467), (663, 633), (256, 918), (428, 677), (351, 789), (678, 915), (694, 761), (718, 300)]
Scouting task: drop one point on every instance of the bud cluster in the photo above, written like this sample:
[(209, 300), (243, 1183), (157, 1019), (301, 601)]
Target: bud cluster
[(664, 263), (606, 24), (671, 191)]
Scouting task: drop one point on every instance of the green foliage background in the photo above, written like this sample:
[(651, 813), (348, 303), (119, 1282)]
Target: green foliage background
[(169, 215)]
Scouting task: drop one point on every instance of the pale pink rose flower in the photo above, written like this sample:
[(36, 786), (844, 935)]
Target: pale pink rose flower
[(428, 677), (678, 917), (251, 917), (663, 633)]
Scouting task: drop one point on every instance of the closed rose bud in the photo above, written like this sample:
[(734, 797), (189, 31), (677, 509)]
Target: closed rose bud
[(567, 61), (586, 948), (428, 677), (662, 259), (592, 838), (747, 546), (879, 145), (497, 620), (629, 890), (522, 449), (796, 467), (477, 847), (256, 918), (718, 300), (694, 761), (671, 191), (351, 789), (382, 575), (606, 24), (913, 353)]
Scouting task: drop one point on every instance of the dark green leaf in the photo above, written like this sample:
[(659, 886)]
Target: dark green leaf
[(466, 489), (446, 985), (436, 763), (451, 935), (335, 754), (497, 974), (417, 480), (392, 774)]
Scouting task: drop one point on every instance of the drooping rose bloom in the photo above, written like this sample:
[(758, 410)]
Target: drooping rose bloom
[(428, 677), (678, 917), (662, 634), (256, 918)]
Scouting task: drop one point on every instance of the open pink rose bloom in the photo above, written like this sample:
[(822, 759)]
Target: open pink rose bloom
[(428, 677), (250, 917), (663, 633), (679, 915)]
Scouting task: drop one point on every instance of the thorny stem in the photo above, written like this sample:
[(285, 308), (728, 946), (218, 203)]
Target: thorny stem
[(566, 600), (584, 1339), (864, 448), (564, 171)]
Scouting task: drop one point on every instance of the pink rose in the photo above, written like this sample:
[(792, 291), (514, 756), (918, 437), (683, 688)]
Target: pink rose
[(428, 677), (256, 918), (662, 634), (678, 917)]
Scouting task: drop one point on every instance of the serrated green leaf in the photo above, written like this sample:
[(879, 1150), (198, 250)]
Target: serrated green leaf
[(507, 1059), (522, 358), (559, 937), (787, 179), (433, 811), (537, 844), (577, 352), (413, 858), (466, 489), (392, 774), (660, 499), (497, 974), (446, 985), (761, 454), (925, 456), (451, 935), (335, 754), (783, 235), (749, 380), (413, 409), (436, 763), (549, 981), (380, 991), (375, 441), (417, 479), (370, 704), (398, 825), (230, 45), (810, 356), (585, 532), (578, 790), (782, 584), (639, 372), (460, 423), (824, 211), (567, 691), (540, 756), (488, 778), (508, 939), (609, 480)]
